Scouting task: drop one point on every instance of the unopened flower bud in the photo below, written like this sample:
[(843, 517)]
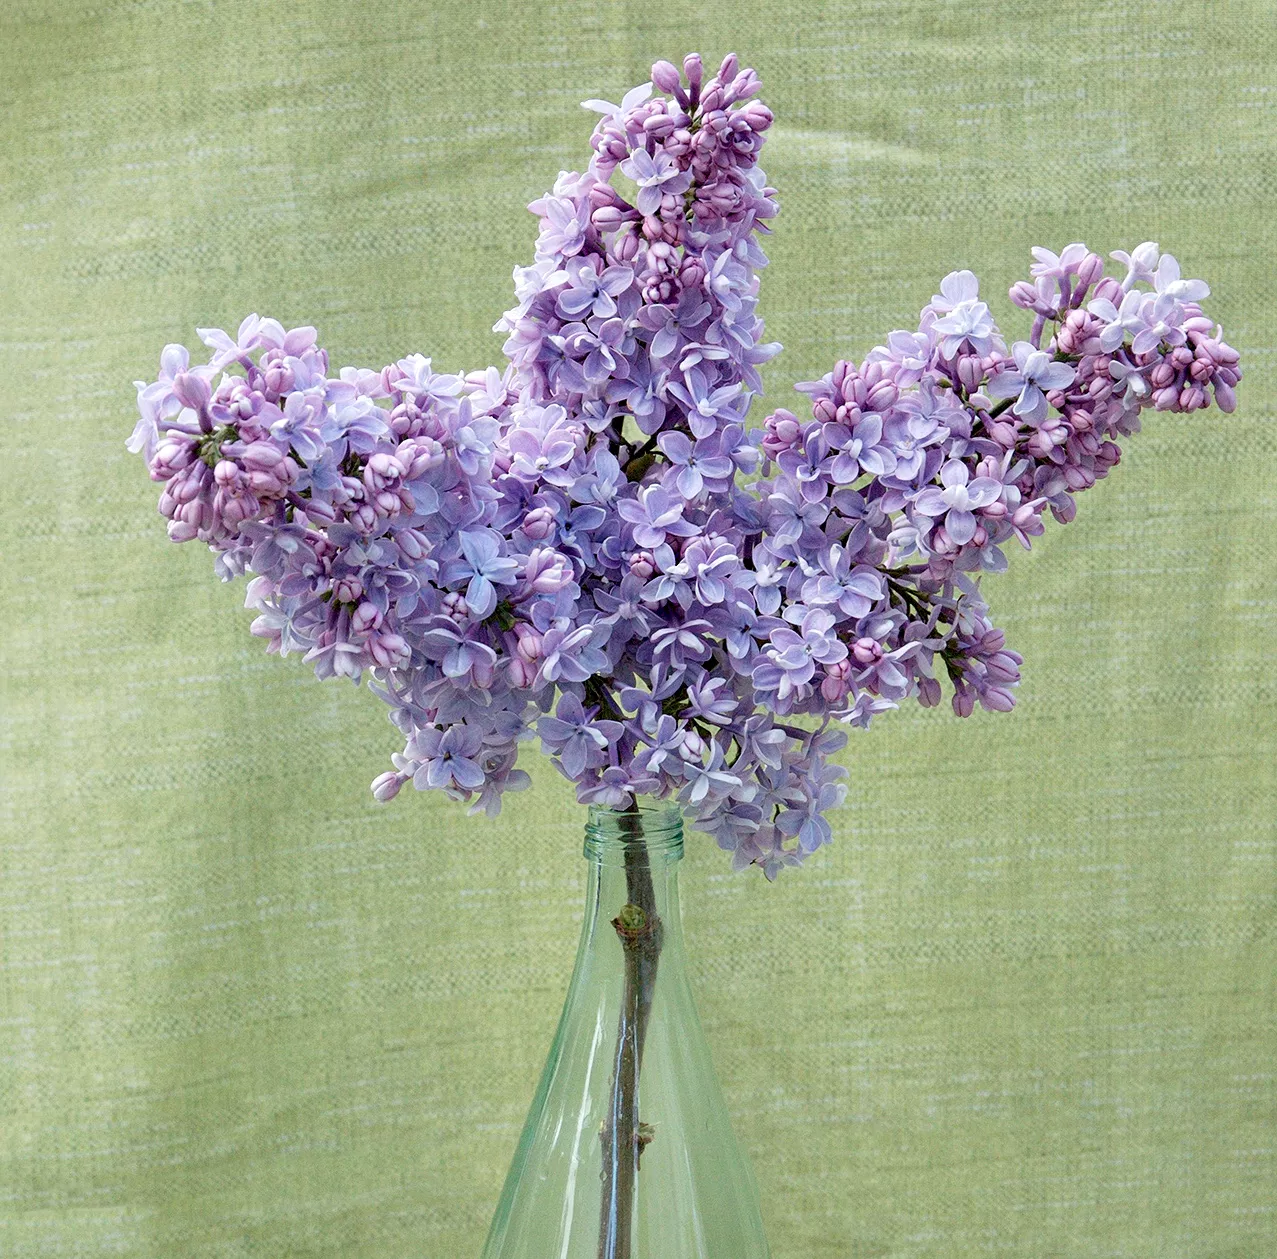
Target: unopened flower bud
[(528, 643), (262, 456), (348, 589), (1003, 432), (643, 565), (455, 607), (367, 616), (381, 471), (1192, 398), (520, 673), (389, 651), (1089, 270), (192, 390), (665, 76), (1024, 293), (539, 524), (386, 786), (419, 455), (625, 248), (866, 650), (547, 572), (170, 457)]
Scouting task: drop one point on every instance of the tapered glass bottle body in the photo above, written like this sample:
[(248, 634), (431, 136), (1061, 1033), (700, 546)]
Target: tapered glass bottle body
[(628, 1152)]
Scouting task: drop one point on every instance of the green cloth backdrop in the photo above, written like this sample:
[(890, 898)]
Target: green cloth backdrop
[(1024, 1006)]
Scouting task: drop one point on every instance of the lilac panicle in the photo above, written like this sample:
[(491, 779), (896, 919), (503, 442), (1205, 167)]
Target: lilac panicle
[(566, 549)]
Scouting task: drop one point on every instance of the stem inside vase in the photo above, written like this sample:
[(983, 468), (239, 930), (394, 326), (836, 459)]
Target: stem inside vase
[(639, 929)]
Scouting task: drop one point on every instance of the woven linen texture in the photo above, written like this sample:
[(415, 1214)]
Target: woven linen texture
[(1025, 1004)]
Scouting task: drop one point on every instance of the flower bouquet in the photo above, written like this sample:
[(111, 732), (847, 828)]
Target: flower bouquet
[(590, 547)]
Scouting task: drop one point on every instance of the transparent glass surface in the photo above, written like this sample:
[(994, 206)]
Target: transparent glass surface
[(627, 1152)]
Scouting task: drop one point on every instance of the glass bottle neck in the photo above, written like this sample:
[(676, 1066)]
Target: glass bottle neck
[(633, 877)]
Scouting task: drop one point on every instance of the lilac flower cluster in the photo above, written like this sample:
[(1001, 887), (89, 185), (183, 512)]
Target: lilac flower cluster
[(569, 549)]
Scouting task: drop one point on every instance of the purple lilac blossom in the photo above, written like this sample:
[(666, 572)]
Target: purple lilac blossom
[(561, 549)]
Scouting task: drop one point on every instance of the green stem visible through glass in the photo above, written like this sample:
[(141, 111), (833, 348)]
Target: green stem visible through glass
[(639, 929)]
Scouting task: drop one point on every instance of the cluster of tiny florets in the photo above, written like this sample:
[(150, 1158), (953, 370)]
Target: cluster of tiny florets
[(591, 548)]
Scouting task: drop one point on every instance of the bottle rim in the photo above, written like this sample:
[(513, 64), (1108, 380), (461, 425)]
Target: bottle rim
[(657, 827)]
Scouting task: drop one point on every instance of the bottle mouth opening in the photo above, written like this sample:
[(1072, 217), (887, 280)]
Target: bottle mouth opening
[(656, 827)]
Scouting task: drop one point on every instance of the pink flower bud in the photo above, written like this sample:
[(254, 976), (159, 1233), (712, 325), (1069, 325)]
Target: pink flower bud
[(389, 503), (262, 457), (1109, 289), (381, 471), (1077, 477), (539, 524), (643, 565), (386, 786), (547, 572), (388, 650), (625, 247), (366, 617), (192, 390), (996, 699), (243, 507), (363, 517), (520, 673), (691, 272), (528, 643), (412, 544), (882, 396), (348, 589), (970, 372), (1091, 269), (170, 457), (666, 77), (1024, 293), (1003, 432), (419, 455), (188, 484), (866, 651), (607, 218)]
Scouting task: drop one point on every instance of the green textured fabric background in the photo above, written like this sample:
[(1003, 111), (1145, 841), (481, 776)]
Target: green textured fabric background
[(1024, 1006)]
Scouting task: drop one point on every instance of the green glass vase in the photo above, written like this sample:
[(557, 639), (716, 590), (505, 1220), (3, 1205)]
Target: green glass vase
[(628, 1152)]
